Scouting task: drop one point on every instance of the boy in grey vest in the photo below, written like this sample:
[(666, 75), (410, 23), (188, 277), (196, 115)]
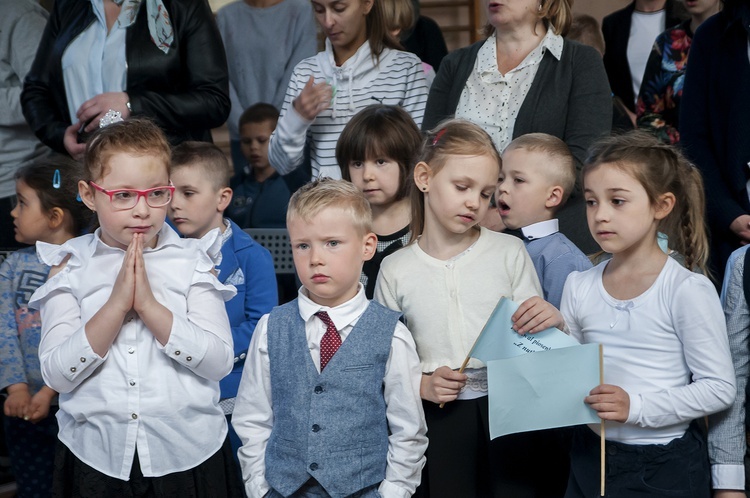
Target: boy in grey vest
[(329, 400)]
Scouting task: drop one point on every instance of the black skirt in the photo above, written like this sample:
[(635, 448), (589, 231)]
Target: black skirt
[(217, 477)]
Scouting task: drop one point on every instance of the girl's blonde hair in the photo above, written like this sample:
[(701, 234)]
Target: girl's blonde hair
[(137, 136), (453, 137), (661, 169), (399, 15), (378, 33), (554, 14)]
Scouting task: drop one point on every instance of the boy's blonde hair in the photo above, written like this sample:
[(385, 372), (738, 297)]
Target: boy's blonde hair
[(208, 158), (326, 193), (139, 137), (560, 169)]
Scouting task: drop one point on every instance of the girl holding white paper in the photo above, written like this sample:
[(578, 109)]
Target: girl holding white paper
[(447, 284), (666, 356)]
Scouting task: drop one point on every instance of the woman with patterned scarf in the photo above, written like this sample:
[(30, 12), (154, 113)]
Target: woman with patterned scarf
[(100, 61)]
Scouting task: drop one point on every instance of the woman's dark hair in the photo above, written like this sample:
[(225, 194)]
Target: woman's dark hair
[(381, 131), (55, 181)]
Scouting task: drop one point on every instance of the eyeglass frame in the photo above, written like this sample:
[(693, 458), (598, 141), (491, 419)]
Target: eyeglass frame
[(140, 193)]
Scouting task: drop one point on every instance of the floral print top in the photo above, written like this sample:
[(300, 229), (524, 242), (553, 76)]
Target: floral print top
[(659, 100), (20, 327)]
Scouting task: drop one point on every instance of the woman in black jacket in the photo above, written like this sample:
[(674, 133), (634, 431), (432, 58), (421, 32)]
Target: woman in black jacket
[(171, 69)]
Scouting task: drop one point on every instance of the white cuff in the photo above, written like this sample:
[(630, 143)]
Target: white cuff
[(389, 490), (730, 477), (257, 487), (635, 409)]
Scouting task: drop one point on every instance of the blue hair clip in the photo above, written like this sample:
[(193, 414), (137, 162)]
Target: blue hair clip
[(56, 182)]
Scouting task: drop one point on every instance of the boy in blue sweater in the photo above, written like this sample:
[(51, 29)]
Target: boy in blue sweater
[(537, 175), (200, 173), (329, 402)]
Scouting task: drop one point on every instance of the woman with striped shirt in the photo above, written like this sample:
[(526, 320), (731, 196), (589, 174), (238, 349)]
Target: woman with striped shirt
[(361, 65)]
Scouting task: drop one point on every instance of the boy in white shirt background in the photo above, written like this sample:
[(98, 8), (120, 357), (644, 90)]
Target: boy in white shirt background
[(329, 398)]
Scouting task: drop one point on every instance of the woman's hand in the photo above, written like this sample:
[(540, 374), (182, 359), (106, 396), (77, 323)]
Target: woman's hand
[(313, 99), (17, 401), (70, 142), (442, 386), (534, 315), (93, 110), (610, 402)]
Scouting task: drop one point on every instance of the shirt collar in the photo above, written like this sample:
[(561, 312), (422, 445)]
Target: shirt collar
[(342, 315), (227, 234), (487, 56), (165, 237), (540, 229)]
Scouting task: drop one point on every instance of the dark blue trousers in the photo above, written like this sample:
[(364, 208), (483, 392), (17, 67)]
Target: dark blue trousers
[(678, 469)]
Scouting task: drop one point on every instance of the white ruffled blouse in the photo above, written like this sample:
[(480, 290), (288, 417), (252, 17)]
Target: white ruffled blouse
[(162, 400)]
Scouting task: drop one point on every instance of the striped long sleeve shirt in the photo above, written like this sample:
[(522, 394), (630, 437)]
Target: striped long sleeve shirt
[(396, 79)]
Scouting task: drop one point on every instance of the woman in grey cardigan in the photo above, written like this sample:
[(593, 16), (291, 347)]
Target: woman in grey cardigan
[(524, 78)]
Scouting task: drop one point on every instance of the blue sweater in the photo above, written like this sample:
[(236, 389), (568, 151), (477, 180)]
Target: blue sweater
[(249, 267)]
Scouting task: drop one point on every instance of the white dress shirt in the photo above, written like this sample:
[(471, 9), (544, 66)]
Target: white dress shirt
[(162, 400), (492, 99), (95, 62), (253, 412), (667, 348)]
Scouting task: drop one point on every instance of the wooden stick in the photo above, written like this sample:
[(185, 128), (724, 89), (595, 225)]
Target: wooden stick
[(602, 436), (460, 370)]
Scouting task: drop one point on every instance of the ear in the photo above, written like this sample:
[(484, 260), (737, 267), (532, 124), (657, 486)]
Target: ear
[(55, 217), (225, 197), (370, 246), (422, 175), (664, 205), (367, 6), (87, 195), (554, 196)]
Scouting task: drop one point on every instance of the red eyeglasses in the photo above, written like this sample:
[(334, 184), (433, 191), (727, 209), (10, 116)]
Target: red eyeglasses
[(127, 198)]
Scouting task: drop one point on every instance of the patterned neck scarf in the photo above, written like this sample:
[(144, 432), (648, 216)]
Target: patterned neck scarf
[(159, 25)]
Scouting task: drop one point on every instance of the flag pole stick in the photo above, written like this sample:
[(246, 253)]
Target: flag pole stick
[(468, 356), (602, 435)]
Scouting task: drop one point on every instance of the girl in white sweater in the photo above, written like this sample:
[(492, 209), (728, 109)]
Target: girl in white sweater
[(447, 285), (360, 66)]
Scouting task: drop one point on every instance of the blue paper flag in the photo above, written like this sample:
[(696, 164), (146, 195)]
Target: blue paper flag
[(542, 390), (498, 339)]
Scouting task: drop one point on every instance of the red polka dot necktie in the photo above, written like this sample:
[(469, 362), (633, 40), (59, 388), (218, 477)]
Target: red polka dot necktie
[(331, 340)]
